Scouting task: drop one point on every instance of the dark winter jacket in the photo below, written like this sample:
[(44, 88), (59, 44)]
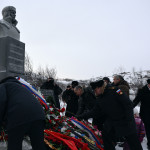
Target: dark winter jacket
[(72, 102), (86, 101), (57, 90), (124, 87), (140, 132), (118, 111), (17, 105), (143, 96), (48, 85)]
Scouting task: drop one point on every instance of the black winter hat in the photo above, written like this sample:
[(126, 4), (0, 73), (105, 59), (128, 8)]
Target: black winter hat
[(96, 84), (106, 78), (148, 81), (74, 83)]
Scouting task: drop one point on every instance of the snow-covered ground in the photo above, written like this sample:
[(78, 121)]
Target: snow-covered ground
[(144, 145), (26, 146)]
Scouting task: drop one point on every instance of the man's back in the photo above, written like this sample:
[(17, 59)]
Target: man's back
[(20, 105)]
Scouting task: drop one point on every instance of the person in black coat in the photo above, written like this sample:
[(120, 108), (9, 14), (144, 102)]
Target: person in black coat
[(143, 96), (71, 99), (86, 99), (50, 85), (22, 114), (119, 118), (86, 102)]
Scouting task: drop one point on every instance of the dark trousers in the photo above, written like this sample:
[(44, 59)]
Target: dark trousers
[(35, 130), (133, 142), (109, 139), (147, 129)]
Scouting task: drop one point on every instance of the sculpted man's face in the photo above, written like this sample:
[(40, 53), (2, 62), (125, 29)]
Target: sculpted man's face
[(12, 14), (9, 15)]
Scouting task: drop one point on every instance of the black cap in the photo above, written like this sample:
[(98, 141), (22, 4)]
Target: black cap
[(74, 84), (96, 84), (106, 78), (148, 81)]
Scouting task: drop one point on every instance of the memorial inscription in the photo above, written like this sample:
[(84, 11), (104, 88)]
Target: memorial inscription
[(16, 59), (12, 57)]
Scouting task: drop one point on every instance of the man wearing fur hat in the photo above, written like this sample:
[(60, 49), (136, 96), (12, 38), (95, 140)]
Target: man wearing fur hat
[(119, 118), (8, 23), (143, 96)]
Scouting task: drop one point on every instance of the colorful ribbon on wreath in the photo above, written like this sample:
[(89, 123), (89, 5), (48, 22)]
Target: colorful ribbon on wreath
[(33, 91), (71, 142), (82, 126)]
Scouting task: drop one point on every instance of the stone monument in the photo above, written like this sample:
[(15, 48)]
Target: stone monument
[(12, 51), (8, 23)]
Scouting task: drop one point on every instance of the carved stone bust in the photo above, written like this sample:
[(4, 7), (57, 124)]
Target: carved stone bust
[(8, 23)]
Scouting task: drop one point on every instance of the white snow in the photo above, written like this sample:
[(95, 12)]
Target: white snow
[(26, 146)]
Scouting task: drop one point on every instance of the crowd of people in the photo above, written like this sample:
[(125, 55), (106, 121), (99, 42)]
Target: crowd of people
[(108, 104), (111, 109)]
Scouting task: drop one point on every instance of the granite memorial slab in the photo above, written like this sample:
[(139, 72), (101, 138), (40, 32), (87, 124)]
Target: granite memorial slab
[(12, 50), (12, 55)]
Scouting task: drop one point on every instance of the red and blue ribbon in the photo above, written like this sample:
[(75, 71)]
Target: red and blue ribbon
[(33, 91)]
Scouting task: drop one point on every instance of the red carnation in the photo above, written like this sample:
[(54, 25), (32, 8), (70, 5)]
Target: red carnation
[(62, 110), (50, 121)]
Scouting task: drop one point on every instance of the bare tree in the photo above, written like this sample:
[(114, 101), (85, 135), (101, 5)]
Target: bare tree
[(39, 76), (28, 67), (137, 79), (42, 74), (50, 72)]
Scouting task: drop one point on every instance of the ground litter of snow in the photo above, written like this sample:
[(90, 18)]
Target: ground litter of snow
[(26, 146)]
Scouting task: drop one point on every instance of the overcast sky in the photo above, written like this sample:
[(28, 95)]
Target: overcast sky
[(85, 38)]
